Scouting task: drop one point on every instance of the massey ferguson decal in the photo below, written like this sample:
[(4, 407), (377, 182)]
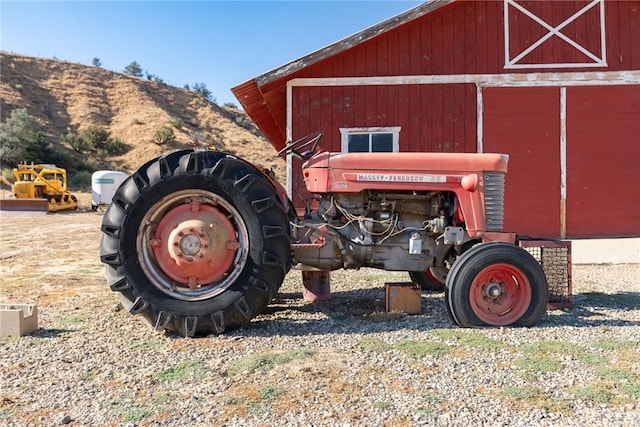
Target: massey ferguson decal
[(399, 178)]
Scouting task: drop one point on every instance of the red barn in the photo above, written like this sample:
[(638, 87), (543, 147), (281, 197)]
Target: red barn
[(554, 84)]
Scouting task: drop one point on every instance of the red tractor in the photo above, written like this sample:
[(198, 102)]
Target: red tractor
[(199, 242)]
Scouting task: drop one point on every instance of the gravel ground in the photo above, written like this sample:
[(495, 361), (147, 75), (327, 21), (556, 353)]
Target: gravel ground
[(342, 362)]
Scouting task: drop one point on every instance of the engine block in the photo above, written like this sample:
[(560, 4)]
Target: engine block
[(396, 231)]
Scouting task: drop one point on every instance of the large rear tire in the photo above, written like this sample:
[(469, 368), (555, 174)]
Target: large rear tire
[(196, 242), (496, 284)]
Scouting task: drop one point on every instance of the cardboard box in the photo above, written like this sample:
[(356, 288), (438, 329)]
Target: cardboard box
[(403, 297), (18, 320)]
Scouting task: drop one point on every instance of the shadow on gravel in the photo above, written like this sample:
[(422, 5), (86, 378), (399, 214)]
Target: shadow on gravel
[(354, 311), (363, 311), (619, 301), (52, 333), (599, 309)]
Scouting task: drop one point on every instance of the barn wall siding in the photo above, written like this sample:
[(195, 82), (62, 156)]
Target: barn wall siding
[(603, 161), (602, 170), (525, 124), (468, 38), (483, 41), (435, 118)]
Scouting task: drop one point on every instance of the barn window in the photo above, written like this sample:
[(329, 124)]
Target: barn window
[(370, 140)]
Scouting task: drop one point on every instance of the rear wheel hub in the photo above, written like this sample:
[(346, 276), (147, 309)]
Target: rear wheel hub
[(195, 244), (192, 244)]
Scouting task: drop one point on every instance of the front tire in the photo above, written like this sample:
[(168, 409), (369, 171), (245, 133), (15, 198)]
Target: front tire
[(196, 242), (496, 284)]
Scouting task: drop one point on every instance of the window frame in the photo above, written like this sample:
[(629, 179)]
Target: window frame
[(393, 130)]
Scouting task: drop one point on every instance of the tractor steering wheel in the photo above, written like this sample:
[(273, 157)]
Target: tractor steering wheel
[(294, 147)]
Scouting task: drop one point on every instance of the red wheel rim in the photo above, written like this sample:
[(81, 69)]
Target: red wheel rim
[(214, 236), (195, 244), (500, 294)]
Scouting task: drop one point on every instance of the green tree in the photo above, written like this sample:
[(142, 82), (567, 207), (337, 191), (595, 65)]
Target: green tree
[(133, 69), (201, 89), (76, 142), (115, 146), (95, 136), (153, 77), (94, 139), (20, 138), (96, 62)]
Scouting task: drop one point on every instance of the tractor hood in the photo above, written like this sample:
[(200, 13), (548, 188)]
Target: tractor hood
[(348, 172), (419, 162)]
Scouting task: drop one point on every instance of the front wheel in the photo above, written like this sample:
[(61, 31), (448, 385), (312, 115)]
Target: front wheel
[(496, 284), (195, 242)]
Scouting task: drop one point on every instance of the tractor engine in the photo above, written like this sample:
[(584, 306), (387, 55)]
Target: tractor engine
[(388, 230)]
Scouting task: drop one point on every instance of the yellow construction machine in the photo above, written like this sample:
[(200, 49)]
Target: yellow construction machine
[(39, 187)]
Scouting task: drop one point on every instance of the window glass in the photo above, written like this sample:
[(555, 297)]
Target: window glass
[(381, 142), (359, 143)]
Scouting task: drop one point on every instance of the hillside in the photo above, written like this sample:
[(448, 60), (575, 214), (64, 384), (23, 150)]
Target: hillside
[(67, 97)]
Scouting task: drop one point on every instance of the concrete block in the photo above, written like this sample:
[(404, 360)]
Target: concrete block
[(404, 297), (18, 320)]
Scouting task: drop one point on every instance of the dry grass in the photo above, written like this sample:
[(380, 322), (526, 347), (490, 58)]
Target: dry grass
[(65, 96)]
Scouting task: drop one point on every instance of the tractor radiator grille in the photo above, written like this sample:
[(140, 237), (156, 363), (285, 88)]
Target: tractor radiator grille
[(494, 200)]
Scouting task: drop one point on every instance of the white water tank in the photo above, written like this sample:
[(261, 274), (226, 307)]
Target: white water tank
[(103, 187)]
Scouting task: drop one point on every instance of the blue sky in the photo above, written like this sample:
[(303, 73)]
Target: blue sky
[(218, 43)]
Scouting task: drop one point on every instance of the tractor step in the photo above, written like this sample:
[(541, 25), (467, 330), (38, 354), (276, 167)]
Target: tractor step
[(24, 205)]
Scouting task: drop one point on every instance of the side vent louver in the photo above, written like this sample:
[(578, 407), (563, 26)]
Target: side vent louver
[(494, 200)]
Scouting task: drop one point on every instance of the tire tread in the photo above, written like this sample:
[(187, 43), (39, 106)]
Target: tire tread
[(243, 183)]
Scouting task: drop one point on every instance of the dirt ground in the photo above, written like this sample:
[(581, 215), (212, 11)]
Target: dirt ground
[(52, 254), (85, 362)]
